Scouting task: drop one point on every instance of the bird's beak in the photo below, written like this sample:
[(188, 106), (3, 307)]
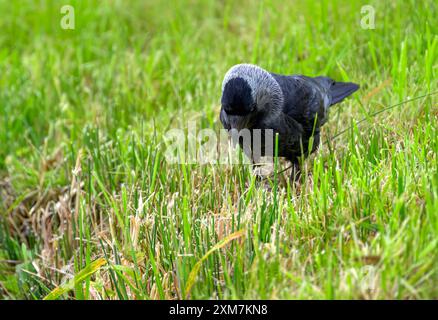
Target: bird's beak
[(239, 122)]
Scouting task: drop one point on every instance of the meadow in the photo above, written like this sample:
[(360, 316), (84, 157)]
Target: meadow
[(91, 209)]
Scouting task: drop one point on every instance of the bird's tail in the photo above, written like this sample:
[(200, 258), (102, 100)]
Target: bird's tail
[(340, 90)]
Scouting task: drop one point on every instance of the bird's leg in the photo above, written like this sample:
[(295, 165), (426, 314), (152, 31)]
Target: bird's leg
[(263, 166), (256, 167), (295, 175)]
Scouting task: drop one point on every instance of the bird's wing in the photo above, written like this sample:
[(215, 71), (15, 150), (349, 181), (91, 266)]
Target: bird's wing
[(305, 98)]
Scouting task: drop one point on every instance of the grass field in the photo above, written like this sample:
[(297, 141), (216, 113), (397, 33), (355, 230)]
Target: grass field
[(90, 209)]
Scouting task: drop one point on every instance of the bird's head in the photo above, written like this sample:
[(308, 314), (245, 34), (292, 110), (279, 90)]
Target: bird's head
[(248, 92)]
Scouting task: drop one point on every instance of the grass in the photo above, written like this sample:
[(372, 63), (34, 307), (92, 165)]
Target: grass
[(89, 207)]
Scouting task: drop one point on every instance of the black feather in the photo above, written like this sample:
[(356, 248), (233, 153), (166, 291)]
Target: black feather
[(237, 97), (340, 90)]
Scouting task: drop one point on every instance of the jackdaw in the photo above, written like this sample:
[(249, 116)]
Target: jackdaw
[(293, 106)]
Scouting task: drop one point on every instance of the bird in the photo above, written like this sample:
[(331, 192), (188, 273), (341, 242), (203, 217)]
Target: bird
[(292, 107)]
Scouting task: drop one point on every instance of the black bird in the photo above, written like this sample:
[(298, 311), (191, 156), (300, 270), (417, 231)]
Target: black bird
[(293, 106)]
